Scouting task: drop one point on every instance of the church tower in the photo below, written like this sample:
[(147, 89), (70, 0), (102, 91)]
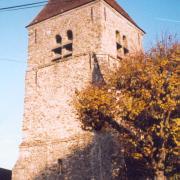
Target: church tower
[(63, 41)]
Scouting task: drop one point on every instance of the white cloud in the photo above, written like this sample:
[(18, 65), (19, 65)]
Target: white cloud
[(168, 20)]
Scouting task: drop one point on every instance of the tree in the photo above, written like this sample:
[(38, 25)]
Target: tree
[(140, 100)]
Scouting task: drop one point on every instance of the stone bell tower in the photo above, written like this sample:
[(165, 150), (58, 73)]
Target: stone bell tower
[(62, 39)]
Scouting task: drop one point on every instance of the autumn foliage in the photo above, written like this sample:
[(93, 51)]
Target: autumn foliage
[(140, 100)]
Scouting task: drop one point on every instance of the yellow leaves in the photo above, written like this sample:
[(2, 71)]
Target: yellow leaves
[(163, 62), (94, 98), (169, 104), (137, 156), (138, 107), (146, 94), (135, 105), (128, 101), (175, 130), (142, 92), (147, 151)]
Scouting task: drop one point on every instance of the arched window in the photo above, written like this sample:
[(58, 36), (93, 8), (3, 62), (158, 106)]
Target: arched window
[(68, 46), (57, 50), (118, 44), (60, 166), (118, 37), (125, 45), (58, 39), (70, 35), (125, 41)]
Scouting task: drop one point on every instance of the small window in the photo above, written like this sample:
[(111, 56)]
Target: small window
[(70, 35), (68, 50), (118, 37), (63, 49), (68, 47), (58, 39), (125, 41), (126, 51), (58, 48), (125, 45), (118, 45), (60, 166)]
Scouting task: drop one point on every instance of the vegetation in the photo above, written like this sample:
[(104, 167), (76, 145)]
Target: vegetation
[(140, 100)]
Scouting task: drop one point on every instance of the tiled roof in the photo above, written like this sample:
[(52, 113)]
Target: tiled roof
[(55, 7)]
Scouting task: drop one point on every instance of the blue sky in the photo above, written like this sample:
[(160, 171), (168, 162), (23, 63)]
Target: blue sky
[(154, 16)]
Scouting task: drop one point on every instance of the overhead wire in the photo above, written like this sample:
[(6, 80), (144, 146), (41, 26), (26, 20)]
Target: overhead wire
[(23, 5), (42, 3), (19, 7), (26, 6), (16, 9), (12, 60)]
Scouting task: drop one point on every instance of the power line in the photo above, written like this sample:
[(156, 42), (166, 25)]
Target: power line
[(12, 60), (42, 3), (22, 5), (26, 6), (16, 9)]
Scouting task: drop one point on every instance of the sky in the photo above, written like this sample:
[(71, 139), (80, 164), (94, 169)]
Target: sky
[(153, 16)]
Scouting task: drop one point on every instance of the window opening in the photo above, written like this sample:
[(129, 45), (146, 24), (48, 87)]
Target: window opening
[(70, 35), (118, 45), (58, 39), (68, 49), (60, 166), (63, 49), (58, 49), (125, 45)]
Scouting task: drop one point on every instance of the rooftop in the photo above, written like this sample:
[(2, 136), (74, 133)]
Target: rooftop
[(56, 7)]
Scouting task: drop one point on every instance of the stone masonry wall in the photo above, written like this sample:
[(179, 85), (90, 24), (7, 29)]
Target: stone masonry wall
[(85, 27), (54, 146), (112, 21)]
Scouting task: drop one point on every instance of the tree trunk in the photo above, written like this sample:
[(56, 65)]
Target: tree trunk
[(160, 175)]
